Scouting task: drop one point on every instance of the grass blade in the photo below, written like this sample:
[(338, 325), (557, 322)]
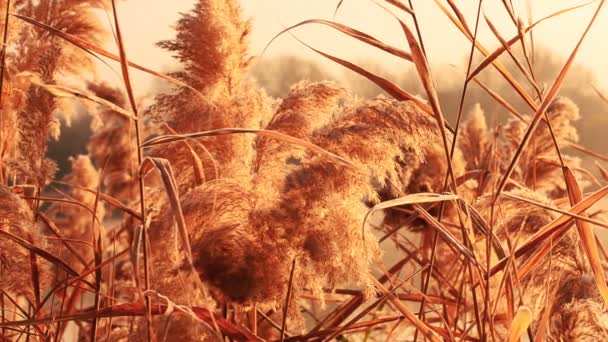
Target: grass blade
[(354, 33), (585, 232), (418, 198), (165, 139), (61, 91), (38, 251), (520, 324), (164, 168), (384, 84)]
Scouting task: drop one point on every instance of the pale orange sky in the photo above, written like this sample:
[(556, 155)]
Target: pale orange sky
[(146, 21)]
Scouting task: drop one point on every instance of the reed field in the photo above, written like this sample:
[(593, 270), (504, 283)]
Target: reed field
[(221, 211)]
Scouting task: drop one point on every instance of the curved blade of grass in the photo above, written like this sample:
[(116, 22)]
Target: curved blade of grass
[(63, 200), (164, 168), (106, 198), (197, 167), (585, 232), (197, 163), (61, 91), (53, 227), (423, 197), (354, 33), (124, 63), (520, 324), (39, 251), (528, 55), (424, 73), (165, 139), (384, 84), (459, 15), (540, 112), (426, 78), (338, 8)]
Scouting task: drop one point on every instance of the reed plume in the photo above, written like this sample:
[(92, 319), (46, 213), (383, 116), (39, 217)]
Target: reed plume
[(46, 56), (212, 45), (539, 167)]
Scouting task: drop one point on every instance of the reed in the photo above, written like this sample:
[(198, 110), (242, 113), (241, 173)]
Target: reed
[(221, 212)]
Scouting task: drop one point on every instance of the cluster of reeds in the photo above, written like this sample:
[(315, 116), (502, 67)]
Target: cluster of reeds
[(220, 212)]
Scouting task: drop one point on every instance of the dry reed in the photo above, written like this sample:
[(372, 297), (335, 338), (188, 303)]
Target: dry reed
[(258, 225)]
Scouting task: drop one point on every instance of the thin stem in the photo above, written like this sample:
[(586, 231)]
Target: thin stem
[(2, 65)]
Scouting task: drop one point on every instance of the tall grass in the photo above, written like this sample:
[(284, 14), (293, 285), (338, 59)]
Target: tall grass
[(223, 213)]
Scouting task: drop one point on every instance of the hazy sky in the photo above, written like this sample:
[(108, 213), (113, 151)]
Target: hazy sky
[(147, 21)]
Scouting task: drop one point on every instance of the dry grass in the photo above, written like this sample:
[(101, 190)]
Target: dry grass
[(220, 212)]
